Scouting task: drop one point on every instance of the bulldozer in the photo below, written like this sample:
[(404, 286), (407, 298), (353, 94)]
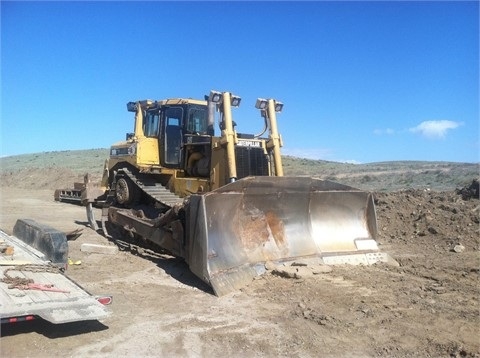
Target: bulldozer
[(222, 202)]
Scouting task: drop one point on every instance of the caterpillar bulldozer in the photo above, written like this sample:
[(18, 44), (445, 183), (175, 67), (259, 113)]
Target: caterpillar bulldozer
[(222, 202)]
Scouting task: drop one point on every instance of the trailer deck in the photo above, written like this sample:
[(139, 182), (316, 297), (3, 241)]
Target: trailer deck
[(31, 286)]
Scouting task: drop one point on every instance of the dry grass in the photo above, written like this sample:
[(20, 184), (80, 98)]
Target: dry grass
[(58, 169), (388, 176)]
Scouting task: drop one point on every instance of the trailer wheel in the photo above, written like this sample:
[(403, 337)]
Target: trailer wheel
[(123, 191)]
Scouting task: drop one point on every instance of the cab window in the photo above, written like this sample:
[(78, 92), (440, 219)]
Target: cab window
[(151, 124), (197, 121)]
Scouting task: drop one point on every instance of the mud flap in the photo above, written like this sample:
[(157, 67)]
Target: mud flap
[(233, 231)]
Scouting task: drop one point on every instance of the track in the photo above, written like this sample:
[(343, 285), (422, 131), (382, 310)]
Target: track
[(155, 190)]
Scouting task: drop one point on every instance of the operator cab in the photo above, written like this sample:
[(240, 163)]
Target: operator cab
[(184, 135)]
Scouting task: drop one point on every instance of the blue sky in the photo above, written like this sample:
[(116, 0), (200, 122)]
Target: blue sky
[(361, 81)]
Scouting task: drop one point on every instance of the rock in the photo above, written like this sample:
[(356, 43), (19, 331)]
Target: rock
[(99, 249), (303, 272), (470, 192), (287, 272), (319, 269), (298, 272), (307, 262), (300, 263), (270, 266), (439, 290), (459, 248)]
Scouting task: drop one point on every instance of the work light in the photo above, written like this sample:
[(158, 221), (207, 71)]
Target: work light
[(215, 96), (235, 101), (261, 103), (132, 106), (278, 106)]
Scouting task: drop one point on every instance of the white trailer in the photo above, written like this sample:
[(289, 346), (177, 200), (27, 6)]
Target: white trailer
[(32, 279)]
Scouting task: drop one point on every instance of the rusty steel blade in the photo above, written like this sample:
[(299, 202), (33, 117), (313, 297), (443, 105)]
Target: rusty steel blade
[(234, 230)]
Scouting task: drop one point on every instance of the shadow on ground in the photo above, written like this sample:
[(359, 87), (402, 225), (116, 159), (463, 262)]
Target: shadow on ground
[(51, 330)]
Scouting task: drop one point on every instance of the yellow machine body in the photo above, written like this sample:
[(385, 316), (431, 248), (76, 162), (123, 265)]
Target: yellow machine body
[(222, 202)]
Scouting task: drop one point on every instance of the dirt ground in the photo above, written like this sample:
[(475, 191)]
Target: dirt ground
[(428, 306)]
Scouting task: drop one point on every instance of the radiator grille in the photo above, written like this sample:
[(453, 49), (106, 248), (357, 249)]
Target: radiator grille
[(251, 162)]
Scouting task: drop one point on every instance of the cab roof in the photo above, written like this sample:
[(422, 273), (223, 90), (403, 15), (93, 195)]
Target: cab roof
[(148, 103)]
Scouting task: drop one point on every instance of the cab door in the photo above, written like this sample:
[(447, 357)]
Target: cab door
[(172, 137)]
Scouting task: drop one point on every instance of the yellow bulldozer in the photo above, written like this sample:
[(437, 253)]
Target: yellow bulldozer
[(222, 202)]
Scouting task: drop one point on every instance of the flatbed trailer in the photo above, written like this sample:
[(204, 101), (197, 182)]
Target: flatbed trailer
[(33, 286)]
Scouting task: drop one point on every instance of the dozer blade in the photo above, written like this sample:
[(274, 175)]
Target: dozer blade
[(233, 231)]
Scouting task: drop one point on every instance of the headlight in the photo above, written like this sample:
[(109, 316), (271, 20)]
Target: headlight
[(132, 149)]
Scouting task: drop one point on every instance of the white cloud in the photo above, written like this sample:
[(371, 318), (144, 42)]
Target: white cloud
[(435, 129), (308, 153), (349, 161), (383, 131)]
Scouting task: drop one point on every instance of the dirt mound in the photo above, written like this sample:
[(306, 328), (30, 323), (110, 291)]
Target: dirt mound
[(469, 192), (41, 178), (440, 219)]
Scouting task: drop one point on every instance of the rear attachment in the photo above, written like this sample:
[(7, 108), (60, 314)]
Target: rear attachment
[(73, 196), (233, 231)]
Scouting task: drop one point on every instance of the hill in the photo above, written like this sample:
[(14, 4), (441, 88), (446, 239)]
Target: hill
[(60, 169)]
